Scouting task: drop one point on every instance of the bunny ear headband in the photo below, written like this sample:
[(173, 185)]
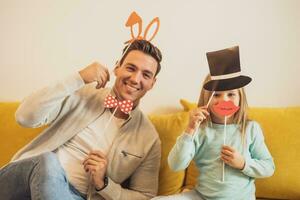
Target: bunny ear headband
[(135, 20)]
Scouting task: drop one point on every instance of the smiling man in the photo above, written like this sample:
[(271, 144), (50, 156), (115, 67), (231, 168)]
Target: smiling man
[(80, 155), (136, 77)]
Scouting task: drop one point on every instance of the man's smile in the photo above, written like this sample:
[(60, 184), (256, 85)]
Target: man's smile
[(131, 88)]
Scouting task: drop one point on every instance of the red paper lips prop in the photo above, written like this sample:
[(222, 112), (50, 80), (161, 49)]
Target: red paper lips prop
[(225, 108)]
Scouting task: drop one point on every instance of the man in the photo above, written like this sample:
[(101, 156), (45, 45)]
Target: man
[(82, 155)]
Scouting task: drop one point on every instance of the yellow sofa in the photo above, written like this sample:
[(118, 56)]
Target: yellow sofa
[(281, 127)]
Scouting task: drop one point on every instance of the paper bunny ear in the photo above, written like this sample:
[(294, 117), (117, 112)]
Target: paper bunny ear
[(156, 19), (135, 19)]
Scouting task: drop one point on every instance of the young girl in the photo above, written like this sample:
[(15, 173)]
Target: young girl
[(245, 155)]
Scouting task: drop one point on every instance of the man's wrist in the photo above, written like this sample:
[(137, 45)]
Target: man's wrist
[(105, 183)]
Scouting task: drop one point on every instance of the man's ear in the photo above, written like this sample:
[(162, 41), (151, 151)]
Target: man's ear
[(117, 66), (154, 81)]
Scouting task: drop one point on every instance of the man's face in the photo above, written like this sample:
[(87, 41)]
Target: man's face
[(135, 76)]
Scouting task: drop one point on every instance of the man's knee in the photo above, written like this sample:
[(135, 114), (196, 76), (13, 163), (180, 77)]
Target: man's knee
[(49, 158), (50, 165)]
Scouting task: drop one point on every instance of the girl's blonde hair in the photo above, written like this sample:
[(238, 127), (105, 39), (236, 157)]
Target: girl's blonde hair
[(240, 117)]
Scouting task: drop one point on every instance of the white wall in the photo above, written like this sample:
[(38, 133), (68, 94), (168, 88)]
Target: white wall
[(43, 41)]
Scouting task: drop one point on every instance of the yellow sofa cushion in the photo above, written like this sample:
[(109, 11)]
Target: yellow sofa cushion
[(281, 127), (187, 105), (169, 127), (13, 136)]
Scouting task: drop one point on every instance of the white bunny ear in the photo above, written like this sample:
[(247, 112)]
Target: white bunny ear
[(155, 20), (139, 31), (134, 19)]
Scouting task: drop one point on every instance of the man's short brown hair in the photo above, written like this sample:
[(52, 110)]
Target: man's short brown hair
[(145, 47)]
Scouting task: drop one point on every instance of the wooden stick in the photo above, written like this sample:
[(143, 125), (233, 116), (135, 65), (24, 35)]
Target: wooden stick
[(106, 125), (210, 98), (224, 142)]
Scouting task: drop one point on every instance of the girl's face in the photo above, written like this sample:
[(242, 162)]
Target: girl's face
[(230, 95)]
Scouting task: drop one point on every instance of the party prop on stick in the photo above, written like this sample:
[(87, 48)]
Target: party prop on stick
[(135, 20), (111, 102), (225, 73), (225, 109)]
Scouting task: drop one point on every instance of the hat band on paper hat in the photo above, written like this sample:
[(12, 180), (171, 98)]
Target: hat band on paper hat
[(226, 76)]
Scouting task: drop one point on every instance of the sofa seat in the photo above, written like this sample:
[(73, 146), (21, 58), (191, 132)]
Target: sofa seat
[(281, 128)]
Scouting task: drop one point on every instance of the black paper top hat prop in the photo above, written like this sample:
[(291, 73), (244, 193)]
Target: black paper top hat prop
[(225, 70)]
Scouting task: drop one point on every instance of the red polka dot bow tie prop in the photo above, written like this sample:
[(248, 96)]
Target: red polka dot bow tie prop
[(111, 102)]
